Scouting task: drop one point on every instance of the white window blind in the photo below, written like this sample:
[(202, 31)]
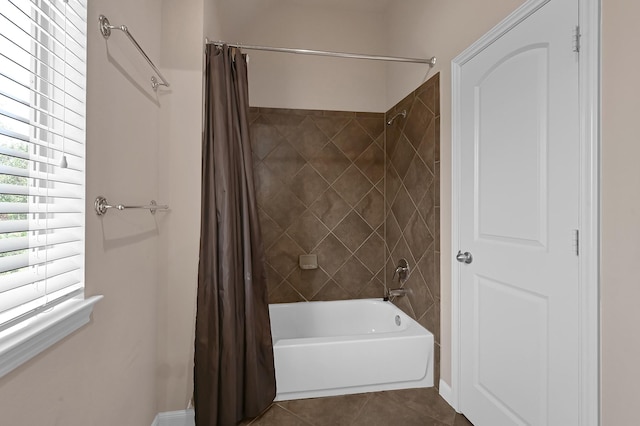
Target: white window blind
[(42, 155)]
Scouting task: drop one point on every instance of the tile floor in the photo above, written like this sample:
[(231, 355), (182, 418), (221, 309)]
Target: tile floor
[(410, 407)]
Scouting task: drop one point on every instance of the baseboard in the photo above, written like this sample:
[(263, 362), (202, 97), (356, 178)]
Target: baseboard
[(445, 393), (175, 418)]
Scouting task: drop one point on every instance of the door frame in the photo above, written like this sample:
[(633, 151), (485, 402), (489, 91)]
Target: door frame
[(589, 220)]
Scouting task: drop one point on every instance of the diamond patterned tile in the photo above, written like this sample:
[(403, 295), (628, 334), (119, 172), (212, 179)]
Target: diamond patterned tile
[(274, 279), (436, 185), (352, 231), (392, 185), (393, 133), (308, 281), (284, 208), (427, 147), (284, 120), (269, 229), (349, 114), (331, 254), (371, 163), (353, 276), (404, 304), (307, 231), (330, 208), (418, 120), (403, 208), (418, 294), (254, 114), (380, 231), (429, 93), (432, 320), (436, 144), (371, 253), (417, 179), (352, 140), (308, 185), (371, 208), (427, 209), (403, 156), (381, 411), (267, 184), (332, 291), (284, 161), (264, 138), (307, 138), (331, 125), (277, 416), (352, 185), (283, 255), (374, 289), (426, 402), (393, 231), (401, 251), (427, 266), (374, 126), (417, 236), (330, 162), (436, 227), (329, 411), (380, 141), (284, 293)]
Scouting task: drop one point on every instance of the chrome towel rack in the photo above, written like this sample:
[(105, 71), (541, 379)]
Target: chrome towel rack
[(101, 206), (105, 29)]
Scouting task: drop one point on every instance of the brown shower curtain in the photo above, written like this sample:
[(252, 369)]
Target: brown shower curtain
[(234, 376)]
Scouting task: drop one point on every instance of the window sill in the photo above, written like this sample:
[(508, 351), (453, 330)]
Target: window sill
[(23, 342)]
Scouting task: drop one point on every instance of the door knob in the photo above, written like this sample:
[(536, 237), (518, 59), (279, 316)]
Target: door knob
[(464, 257)]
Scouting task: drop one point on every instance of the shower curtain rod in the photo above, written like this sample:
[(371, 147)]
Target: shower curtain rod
[(431, 61)]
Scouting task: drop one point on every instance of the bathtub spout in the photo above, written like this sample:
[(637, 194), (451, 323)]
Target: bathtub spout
[(392, 293)]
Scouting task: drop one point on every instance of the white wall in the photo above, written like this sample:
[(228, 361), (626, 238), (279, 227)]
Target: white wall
[(309, 82), (104, 374)]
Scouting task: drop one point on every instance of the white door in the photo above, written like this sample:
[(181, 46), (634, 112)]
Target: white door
[(518, 218)]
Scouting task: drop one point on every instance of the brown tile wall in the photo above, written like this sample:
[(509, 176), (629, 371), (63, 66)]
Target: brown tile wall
[(412, 190), (319, 181)]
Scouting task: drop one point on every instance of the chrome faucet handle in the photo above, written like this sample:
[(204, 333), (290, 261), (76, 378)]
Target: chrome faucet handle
[(402, 271)]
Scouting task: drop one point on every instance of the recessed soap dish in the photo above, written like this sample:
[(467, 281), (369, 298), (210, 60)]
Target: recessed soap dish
[(308, 261)]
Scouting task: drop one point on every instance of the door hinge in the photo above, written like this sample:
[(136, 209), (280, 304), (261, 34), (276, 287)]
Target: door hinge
[(576, 241), (576, 39)]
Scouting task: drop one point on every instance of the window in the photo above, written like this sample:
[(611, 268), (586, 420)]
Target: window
[(42, 170)]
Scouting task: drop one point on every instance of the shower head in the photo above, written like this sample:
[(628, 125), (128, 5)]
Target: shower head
[(402, 113)]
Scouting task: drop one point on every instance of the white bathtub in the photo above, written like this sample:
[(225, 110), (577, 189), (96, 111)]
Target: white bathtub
[(348, 346)]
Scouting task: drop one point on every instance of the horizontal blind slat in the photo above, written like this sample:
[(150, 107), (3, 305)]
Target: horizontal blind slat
[(29, 310), (56, 63), (38, 159), (59, 176), (42, 117), (72, 206), (59, 114), (62, 220), (12, 70), (31, 125), (33, 275), (7, 14), (8, 245), (30, 259), (70, 147), (40, 192)]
